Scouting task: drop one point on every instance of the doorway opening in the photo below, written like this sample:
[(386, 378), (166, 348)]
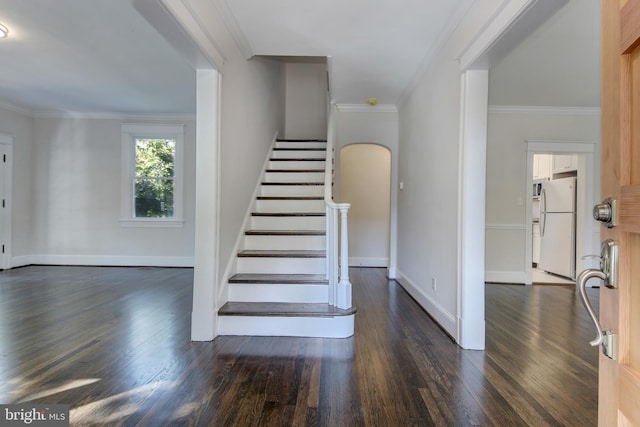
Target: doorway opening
[(365, 182), (554, 246), (6, 185)]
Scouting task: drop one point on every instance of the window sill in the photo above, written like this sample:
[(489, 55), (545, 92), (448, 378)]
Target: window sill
[(149, 223)]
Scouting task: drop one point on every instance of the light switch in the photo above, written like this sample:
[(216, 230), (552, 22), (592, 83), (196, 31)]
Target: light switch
[(401, 185)]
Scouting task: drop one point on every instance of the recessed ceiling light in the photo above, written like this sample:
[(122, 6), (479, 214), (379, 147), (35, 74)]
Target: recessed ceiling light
[(3, 31)]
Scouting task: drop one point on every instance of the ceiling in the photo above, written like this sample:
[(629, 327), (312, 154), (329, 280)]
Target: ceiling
[(90, 56), (103, 56)]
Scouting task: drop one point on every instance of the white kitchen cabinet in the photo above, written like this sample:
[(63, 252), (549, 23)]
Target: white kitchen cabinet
[(565, 163), (542, 166)]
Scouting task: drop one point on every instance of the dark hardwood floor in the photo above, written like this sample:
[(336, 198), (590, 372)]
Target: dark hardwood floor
[(113, 343)]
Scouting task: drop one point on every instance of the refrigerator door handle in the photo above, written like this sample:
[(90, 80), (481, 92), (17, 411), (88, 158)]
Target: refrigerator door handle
[(543, 211)]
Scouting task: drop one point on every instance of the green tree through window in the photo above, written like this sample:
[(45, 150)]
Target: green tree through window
[(155, 178)]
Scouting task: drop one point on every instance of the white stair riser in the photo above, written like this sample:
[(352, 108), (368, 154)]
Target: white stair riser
[(271, 265), (288, 223), (261, 292), (294, 154), (306, 164), (301, 144), (329, 327), (290, 206), (285, 242), (292, 190), (294, 177)]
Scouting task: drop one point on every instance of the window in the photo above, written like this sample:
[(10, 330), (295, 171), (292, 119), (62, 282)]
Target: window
[(152, 175)]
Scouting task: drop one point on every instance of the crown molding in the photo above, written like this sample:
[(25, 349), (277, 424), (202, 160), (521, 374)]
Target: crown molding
[(519, 109), (16, 108), (111, 116), (363, 108), (234, 28)]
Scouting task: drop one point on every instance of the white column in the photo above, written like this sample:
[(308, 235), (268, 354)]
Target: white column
[(471, 209), (344, 286), (204, 316)]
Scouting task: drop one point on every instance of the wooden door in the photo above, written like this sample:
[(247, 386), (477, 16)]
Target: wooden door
[(619, 380)]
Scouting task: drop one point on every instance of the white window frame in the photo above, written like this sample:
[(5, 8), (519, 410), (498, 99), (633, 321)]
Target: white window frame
[(131, 132)]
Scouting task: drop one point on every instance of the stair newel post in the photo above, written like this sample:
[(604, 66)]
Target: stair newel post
[(344, 286), (332, 252)]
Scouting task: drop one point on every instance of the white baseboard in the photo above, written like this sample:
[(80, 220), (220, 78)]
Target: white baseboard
[(21, 261), (446, 319), (368, 262), (111, 261), (518, 277)]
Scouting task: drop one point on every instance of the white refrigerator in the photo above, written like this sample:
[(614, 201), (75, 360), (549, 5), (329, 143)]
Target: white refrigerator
[(558, 227)]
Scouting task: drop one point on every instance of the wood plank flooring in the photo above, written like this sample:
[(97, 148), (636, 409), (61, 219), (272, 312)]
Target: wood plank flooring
[(114, 344)]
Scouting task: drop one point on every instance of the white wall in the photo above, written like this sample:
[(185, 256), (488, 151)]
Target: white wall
[(365, 181), (20, 125), (376, 125), (507, 191), (76, 207), (429, 167), (251, 114), (306, 101)]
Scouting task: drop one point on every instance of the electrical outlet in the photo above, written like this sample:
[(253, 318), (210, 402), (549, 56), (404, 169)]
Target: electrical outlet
[(433, 283)]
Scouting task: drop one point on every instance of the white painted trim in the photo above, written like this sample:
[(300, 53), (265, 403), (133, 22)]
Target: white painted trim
[(519, 277), (21, 261), (317, 327), (204, 318), (368, 262), (472, 168), (192, 25), (523, 109), (110, 260), (98, 115), (152, 223), (54, 114), (362, 108), (560, 146), (16, 108), (6, 141), (446, 319), (234, 28), (129, 132), (506, 15)]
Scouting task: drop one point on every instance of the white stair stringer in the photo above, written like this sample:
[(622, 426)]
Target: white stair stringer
[(280, 288)]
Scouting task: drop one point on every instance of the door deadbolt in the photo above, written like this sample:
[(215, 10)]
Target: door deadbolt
[(606, 212)]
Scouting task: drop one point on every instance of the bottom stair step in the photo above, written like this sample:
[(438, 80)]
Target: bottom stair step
[(278, 278), (295, 288), (285, 319), (282, 309)]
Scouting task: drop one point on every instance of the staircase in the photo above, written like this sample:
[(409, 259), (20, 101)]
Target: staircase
[(281, 286)]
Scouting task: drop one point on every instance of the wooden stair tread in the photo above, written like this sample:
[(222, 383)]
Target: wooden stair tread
[(299, 159), (299, 149), (288, 214), (301, 140), (285, 233), (295, 170), (290, 198), (293, 183), (281, 309), (279, 278), (261, 253)]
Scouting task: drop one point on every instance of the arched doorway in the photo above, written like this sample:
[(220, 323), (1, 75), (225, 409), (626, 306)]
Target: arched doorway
[(365, 182)]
